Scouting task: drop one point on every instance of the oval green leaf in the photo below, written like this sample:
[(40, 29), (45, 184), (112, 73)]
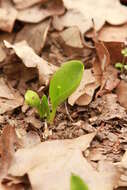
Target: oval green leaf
[(77, 183), (65, 81)]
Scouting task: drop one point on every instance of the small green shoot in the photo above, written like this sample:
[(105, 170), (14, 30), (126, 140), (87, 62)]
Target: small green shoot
[(63, 83), (77, 183), (122, 66)]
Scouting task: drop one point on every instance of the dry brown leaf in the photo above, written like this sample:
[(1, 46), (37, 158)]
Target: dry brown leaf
[(111, 33), (72, 37), (50, 164), (28, 34), (38, 13), (84, 93), (22, 4), (109, 108), (9, 98), (104, 71), (32, 60), (8, 16), (81, 13), (8, 141), (121, 92)]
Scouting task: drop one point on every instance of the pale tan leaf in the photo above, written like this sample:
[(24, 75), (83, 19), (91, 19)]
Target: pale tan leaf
[(84, 93), (9, 98), (32, 60), (8, 16), (28, 33), (38, 13), (80, 13), (49, 165)]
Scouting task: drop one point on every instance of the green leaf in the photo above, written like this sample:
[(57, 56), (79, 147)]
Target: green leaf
[(32, 99), (45, 111), (119, 66), (77, 183), (64, 82), (124, 52)]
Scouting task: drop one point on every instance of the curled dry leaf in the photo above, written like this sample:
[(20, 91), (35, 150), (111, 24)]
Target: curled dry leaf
[(8, 16), (9, 98), (8, 141), (104, 71), (121, 92), (22, 4), (28, 34), (81, 13), (32, 60), (38, 13), (84, 93)]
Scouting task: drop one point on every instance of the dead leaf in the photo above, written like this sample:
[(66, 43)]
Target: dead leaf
[(121, 92), (28, 34), (81, 13), (9, 98), (8, 16), (104, 71), (109, 108), (32, 60), (111, 33), (34, 122), (8, 141), (84, 93), (72, 37), (22, 4), (38, 13), (50, 164)]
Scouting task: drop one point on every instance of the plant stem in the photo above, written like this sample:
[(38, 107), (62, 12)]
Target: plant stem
[(52, 115)]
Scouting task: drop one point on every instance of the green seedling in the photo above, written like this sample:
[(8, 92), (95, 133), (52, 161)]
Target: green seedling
[(122, 65), (77, 183), (63, 83)]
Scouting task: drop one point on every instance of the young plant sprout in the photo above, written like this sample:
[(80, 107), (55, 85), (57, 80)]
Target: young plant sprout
[(63, 83), (77, 183), (122, 65)]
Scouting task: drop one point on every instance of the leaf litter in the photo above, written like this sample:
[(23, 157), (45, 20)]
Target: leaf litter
[(89, 134)]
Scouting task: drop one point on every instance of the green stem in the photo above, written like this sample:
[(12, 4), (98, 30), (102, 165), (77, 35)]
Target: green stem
[(52, 115)]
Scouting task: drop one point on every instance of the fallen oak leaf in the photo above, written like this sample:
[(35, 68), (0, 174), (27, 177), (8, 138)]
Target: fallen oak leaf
[(28, 34), (84, 93), (49, 165), (81, 13), (32, 60), (9, 98), (38, 13)]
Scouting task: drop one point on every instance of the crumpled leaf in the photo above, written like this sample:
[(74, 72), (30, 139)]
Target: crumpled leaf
[(9, 98), (121, 92), (8, 16), (81, 13), (38, 13), (84, 93), (104, 71), (109, 108), (7, 146), (32, 60), (49, 165), (28, 34), (22, 4)]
